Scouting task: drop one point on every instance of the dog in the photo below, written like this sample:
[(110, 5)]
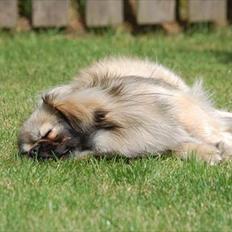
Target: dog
[(130, 107)]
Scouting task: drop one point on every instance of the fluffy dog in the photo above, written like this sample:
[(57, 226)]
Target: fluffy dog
[(128, 107)]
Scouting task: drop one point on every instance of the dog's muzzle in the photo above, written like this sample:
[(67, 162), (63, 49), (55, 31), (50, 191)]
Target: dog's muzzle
[(46, 149)]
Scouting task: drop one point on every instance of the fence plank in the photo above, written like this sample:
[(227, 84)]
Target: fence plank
[(8, 13), (104, 12), (207, 10), (49, 13), (229, 5), (156, 11)]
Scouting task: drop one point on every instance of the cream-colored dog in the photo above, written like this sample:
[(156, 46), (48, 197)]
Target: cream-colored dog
[(129, 107)]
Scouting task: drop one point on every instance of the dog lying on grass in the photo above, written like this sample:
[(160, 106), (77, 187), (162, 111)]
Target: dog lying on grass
[(128, 107)]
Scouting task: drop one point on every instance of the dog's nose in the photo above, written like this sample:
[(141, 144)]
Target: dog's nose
[(34, 151)]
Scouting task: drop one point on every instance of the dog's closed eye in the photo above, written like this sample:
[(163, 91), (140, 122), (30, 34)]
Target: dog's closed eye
[(47, 134)]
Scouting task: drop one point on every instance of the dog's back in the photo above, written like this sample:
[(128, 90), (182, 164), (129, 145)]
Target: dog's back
[(123, 66)]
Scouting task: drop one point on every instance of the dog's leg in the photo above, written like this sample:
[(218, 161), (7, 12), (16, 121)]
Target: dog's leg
[(197, 120), (206, 128), (209, 153), (225, 114), (227, 145), (226, 118)]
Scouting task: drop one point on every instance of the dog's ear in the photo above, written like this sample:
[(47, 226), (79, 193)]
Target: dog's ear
[(76, 114), (82, 116)]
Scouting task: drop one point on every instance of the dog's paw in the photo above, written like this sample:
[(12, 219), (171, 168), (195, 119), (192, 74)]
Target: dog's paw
[(226, 151), (215, 159), (210, 154), (216, 156)]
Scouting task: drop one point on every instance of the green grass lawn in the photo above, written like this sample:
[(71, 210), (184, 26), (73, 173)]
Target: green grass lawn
[(147, 194)]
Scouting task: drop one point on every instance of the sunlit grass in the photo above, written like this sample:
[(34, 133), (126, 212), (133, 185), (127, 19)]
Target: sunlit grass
[(147, 194)]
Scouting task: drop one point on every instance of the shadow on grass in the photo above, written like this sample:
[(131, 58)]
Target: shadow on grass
[(116, 158), (104, 157)]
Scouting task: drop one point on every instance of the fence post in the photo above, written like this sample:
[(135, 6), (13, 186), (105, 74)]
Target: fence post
[(207, 10), (50, 13), (104, 12), (156, 11), (8, 13), (229, 7)]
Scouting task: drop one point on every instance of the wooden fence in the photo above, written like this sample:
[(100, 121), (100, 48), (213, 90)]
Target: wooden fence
[(101, 13)]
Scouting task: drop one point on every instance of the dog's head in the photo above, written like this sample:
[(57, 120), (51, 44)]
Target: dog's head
[(62, 123), (53, 129), (48, 133)]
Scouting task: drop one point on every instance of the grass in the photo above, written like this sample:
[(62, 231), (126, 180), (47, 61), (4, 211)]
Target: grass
[(149, 194)]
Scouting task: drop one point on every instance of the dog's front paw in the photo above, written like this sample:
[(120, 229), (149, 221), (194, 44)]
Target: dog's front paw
[(226, 151), (209, 153), (214, 159)]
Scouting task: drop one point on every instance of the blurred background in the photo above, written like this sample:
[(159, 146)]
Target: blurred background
[(132, 15)]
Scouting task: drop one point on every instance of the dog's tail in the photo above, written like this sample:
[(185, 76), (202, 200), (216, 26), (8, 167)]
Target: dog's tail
[(204, 98)]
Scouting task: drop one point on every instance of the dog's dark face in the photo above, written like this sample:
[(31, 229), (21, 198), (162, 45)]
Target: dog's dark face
[(47, 134)]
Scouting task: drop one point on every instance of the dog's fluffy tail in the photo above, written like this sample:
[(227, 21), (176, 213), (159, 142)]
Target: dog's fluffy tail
[(204, 98)]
